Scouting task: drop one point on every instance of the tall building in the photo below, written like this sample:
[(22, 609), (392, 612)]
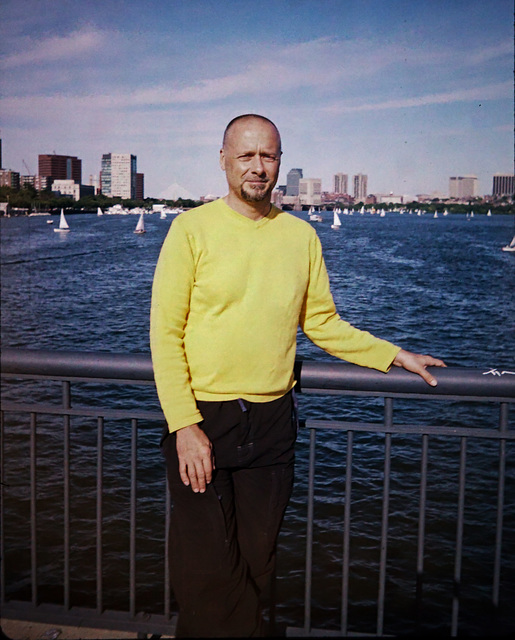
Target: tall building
[(341, 183), (292, 182), (9, 178), (463, 187), (360, 187), (60, 167), (503, 185), (118, 175), (310, 191), (140, 186)]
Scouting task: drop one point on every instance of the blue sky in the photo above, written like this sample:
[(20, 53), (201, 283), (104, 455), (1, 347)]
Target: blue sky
[(408, 92)]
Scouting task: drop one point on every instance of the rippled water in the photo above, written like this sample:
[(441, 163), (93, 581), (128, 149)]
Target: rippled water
[(433, 285)]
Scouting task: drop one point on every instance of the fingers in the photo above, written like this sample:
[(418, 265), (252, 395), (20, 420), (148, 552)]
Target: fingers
[(194, 451), (197, 475), (417, 363)]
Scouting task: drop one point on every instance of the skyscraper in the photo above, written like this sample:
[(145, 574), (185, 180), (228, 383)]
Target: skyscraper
[(360, 187), (341, 183), (310, 191), (140, 186), (292, 182), (60, 167), (503, 185), (118, 175), (463, 187)]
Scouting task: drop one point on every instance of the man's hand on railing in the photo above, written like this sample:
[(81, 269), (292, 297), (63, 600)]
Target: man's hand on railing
[(418, 363)]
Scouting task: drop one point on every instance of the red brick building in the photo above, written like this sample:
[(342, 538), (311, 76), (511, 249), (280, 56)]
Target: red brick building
[(60, 167)]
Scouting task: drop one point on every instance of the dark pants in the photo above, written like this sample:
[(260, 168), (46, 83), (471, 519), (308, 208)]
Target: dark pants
[(222, 542)]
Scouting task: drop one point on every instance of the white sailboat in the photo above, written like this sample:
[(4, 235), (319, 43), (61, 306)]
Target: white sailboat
[(489, 213), (99, 212), (511, 246), (63, 225), (336, 220), (140, 227)]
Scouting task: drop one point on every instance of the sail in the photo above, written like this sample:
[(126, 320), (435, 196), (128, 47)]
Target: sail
[(99, 212), (336, 219), (140, 227), (63, 225)]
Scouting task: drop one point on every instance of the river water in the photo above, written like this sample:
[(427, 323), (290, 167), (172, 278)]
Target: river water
[(440, 286)]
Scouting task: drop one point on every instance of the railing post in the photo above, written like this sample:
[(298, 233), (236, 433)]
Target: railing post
[(459, 538), (168, 514), (421, 528), (133, 500), (346, 535), (66, 391), (99, 514), (309, 532), (33, 511), (2, 513), (388, 423), (503, 428)]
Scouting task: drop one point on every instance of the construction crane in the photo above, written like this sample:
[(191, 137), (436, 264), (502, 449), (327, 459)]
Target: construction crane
[(27, 167)]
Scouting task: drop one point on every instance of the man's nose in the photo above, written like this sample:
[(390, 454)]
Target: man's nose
[(258, 165)]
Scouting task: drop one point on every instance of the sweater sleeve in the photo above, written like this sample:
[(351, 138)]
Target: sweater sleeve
[(323, 326), (171, 291)]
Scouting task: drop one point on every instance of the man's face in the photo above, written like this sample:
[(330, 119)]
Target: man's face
[(251, 158)]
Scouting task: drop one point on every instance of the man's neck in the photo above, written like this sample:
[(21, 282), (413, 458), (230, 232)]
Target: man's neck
[(252, 210)]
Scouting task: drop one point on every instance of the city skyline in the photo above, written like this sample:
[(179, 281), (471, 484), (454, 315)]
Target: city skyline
[(408, 93)]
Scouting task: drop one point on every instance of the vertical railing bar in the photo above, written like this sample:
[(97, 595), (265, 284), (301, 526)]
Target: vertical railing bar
[(168, 511), (503, 428), (459, 538), (100, 491), (2, 514), (346, 535), (388, 423), (33, 510), (132, 550), (66, 391), (421, 526), (309, 532)]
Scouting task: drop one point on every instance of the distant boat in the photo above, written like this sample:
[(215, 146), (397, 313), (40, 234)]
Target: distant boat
[(336, 220), (511, 246), (314, 217), (489, 213), (99, 212), (436, 214), (446, 213), (63, 225), (140, 227)]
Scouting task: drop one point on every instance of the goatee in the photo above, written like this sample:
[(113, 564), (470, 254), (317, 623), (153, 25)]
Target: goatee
[(256, 194)]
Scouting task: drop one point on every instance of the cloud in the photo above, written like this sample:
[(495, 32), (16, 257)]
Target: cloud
[(55, 48), (496, 91)]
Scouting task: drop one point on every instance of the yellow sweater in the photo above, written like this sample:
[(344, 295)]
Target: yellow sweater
[(228, 296)]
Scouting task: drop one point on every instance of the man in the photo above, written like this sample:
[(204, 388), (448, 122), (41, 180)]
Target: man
[(235, 279)]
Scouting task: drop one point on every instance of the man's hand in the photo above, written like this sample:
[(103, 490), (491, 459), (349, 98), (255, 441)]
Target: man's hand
[(195, 454), (417, 363)]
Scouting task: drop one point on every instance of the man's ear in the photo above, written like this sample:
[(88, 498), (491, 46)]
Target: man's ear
[(222, 160)]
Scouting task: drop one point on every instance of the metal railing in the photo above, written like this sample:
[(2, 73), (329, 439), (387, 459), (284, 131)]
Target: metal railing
[(326, 378)]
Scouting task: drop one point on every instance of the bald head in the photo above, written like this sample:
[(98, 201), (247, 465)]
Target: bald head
[(244, 119)]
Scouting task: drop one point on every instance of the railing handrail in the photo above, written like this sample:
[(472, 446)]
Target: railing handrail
[(328, 377)]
